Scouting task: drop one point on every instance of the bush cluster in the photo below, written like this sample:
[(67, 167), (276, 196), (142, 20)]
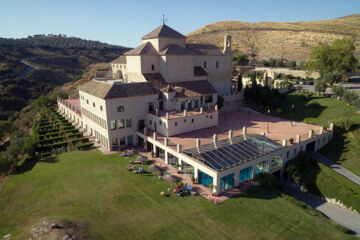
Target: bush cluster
[(263, 96)]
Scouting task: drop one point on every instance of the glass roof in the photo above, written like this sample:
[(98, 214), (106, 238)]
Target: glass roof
[(229, 153)]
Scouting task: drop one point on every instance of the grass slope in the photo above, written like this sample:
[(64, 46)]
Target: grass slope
[(97, 193), (345, 149), (290, 40), (333, 185)]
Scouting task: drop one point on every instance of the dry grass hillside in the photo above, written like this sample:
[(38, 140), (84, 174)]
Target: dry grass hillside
[(291, 40)]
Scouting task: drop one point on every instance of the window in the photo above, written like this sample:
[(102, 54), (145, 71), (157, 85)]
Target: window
[(210, 116), (159, 122), (130, 140), (208, 98), (287, 154), (120, 108), (150, 122), (93, 104), (121, 123), (207, 116), (128, 122), (192, 120), (184, 120), (295, 151), (175, 124), (217, 64), (122, 141), (204, 64), (301, 148), (87, 101), (113, 124), (114, 143), (101, 108), (153, 67)]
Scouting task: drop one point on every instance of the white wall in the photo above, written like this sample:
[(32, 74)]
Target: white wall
[(134, 108)]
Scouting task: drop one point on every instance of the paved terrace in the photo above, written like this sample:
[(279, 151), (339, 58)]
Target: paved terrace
[(180, 114), (254, 122), (73, 104)]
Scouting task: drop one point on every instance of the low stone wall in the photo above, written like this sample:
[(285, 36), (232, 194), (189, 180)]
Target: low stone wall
[(287, 71)]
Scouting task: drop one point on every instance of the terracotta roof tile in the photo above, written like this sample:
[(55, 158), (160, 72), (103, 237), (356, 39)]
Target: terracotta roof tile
[(120, 60), (174, 49), (118, 90), (199, 71), (144, 49), (204, 49), (193, 88), (163, 31)]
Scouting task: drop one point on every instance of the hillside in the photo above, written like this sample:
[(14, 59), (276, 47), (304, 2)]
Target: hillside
[(58, 60), (290, 40)]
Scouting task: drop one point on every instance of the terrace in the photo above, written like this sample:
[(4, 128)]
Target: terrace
[(274, 128)]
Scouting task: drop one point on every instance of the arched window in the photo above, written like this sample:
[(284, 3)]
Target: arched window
[(120, 108)]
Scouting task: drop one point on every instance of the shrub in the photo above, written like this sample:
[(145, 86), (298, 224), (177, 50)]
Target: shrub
[(267, 180), (342, 125), (303, 170)]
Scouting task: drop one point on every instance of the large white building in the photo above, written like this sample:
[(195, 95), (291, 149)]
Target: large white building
[(163, 95)]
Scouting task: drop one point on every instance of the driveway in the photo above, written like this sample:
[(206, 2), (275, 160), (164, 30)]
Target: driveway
[(336, 214), (336, 167)]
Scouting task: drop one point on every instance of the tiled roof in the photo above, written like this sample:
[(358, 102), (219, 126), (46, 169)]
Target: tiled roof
[(120, 60), (144, 49), (156, 79), (199, 71), (117, 90), (204, 49), (163, 31), (174, 49), (193, 88)]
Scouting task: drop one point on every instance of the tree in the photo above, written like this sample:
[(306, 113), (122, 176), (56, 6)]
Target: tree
[(220, 101), (291, 64), (338, 91), (240, 83), (242, 59), (320, 86), (332, 77), (339, 56), (350, 97)]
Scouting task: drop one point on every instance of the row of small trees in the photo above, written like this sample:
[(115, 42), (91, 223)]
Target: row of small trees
[(20, 141), (348, 96)]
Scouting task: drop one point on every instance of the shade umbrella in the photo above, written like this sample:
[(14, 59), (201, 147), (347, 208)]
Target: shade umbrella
[(141, 158), (171, 178), (154, 168)]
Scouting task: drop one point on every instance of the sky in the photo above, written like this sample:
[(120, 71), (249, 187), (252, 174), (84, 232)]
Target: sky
[(125, 22)]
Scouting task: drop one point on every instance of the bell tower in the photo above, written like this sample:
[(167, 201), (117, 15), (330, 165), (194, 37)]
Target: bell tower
[(227, 45)]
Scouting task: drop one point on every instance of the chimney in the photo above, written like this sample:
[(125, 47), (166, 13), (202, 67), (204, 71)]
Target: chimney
[(197, 143), (230, 136), (215, 139), (311, 133), (227, 45), (167, 115), (298, 138), (178, 147), (201, 109)]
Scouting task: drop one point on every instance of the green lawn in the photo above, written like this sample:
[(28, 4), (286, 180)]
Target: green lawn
[(345, 149), (332, 185), (95, 192)]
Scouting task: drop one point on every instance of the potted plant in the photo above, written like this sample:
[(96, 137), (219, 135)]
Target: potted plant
[(193, 179), (152, 153), (211, 186), (291, 140)]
